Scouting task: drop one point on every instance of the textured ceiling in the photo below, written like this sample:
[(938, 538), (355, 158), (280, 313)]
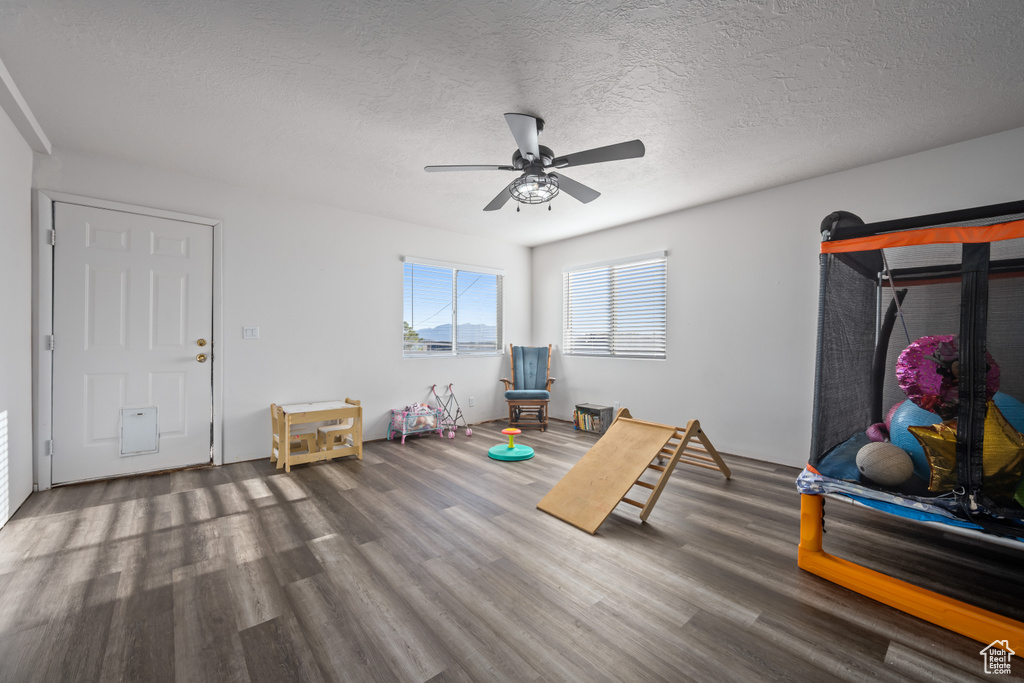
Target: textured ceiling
[(344, 102)]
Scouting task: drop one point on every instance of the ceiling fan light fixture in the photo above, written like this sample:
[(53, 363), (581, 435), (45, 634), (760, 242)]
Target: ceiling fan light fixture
[(534, 188), (536, 185)]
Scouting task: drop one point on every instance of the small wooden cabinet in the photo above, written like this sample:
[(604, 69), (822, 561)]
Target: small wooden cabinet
[(592, 418)]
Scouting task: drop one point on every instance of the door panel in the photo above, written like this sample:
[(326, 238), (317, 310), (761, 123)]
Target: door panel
[(112, 239), (132, 295), (169, 308), (102, 390), (169, 245), (106, 308), (168, 390)]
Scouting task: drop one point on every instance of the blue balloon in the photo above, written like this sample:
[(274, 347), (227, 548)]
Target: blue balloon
[(1011, 408), (910, 414)]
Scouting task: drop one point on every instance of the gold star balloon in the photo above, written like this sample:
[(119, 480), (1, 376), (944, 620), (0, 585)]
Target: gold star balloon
[(939, 444), (1002, 456)]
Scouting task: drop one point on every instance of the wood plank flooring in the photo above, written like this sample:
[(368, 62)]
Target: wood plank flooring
[(430, 562)]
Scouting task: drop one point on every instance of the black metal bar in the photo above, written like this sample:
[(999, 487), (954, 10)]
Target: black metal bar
[(823, 262), (878, 363), (900, 275), (847, 232)]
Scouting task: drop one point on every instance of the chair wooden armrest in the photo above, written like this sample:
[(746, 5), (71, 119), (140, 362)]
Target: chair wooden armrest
[(352, 401), (508, 384), (550, 380)]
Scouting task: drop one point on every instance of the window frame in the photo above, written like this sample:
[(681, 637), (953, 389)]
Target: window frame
[(620, 307), (455, 269)]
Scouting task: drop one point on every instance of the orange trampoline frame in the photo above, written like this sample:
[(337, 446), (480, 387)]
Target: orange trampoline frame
[(974, 234), (967, 620)]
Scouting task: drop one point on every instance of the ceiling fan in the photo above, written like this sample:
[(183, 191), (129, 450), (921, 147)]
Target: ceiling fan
[(536, 185)]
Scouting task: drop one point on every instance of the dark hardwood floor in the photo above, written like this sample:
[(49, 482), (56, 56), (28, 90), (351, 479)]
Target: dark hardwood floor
[(430, 562)]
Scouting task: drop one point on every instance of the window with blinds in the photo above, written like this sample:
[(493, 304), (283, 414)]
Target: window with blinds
[(617, 309), (450, 311)]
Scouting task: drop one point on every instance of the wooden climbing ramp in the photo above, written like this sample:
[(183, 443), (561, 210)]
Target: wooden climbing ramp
[(603, 477)]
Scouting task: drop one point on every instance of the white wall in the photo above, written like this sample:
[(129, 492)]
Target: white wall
[(15, 319), (743, 294), (325, 287)]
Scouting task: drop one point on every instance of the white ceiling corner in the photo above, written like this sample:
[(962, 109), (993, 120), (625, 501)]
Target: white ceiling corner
[(344, 103)]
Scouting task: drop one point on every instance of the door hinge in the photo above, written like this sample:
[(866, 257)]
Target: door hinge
[(49, 447), (49, 342), (53, 238)]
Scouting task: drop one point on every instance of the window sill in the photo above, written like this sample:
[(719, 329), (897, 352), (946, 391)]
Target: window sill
[(609, 355), (491, 354)]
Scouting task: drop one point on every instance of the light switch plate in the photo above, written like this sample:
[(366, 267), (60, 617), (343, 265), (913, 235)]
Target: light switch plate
[(251, 332)]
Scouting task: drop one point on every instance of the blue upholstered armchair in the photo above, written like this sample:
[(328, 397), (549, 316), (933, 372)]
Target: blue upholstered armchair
[(529, 389)]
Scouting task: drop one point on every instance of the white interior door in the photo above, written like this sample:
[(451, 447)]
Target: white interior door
[(132, 310)]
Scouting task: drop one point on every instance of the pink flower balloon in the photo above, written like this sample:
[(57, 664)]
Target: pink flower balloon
[(928, 372)]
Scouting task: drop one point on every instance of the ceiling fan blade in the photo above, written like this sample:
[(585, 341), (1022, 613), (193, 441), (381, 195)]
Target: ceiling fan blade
[(624, 150), (500, 200), (574, 189), (524, 130), (438, 169)]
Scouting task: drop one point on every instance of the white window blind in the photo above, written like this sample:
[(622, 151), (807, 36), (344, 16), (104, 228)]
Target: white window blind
[(616, 310), (450, 311)]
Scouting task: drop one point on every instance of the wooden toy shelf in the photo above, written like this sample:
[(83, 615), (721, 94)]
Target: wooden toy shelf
[(592, 418)]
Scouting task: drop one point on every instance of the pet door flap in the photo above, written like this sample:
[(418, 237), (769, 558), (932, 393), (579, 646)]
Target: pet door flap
[(140, 431)]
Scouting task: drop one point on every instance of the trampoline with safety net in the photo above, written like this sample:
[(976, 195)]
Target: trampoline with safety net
[(919, 386)]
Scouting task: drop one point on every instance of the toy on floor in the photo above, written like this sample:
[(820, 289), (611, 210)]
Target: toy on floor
[(603, 477), (418, 418), (512, 451), (450, 420)]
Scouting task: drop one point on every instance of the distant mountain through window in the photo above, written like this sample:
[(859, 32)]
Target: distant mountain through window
[(467, 332)]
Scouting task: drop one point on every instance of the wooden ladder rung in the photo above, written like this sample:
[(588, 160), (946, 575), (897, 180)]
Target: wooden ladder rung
[(645, 485), (694, 456), (632, 502), (652, 466)]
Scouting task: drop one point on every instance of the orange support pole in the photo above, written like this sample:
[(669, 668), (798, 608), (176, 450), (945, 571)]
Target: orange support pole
[(967, 620)]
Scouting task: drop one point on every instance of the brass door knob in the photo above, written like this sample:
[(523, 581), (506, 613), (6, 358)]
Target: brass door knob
[(201, 358), (201, 342)]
